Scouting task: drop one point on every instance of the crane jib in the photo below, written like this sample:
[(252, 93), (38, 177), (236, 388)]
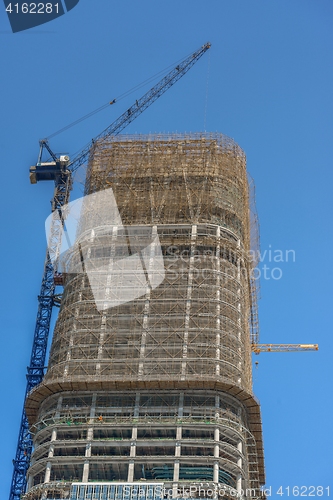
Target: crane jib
[(60, 171), (141, 104)]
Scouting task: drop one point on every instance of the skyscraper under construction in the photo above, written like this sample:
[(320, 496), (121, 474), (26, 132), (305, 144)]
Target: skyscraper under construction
[(152, 397)]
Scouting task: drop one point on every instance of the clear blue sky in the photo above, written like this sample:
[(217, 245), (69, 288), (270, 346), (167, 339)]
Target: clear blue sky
[(266, 82)]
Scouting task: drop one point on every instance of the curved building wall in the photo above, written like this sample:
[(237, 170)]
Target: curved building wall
[(194, 326), (176, 356)]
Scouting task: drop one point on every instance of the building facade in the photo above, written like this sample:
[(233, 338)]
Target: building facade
[(154, 394)]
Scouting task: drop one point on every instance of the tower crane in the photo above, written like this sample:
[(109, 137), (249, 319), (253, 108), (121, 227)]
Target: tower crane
[(258, 348), (60, 170)]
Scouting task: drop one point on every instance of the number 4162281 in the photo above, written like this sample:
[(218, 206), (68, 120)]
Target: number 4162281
[(33, 8), (304, 491)]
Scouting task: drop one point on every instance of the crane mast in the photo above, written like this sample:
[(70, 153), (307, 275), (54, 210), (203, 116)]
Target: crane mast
[(60, 171)]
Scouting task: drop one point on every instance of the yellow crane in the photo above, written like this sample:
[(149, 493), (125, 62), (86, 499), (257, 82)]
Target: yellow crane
[(258, 348)]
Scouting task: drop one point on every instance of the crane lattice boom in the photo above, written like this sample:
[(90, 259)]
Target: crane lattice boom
[(258, 348), (142, 104)]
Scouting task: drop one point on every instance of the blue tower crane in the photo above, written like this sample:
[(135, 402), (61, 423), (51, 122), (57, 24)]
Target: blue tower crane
[(60, 171)]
